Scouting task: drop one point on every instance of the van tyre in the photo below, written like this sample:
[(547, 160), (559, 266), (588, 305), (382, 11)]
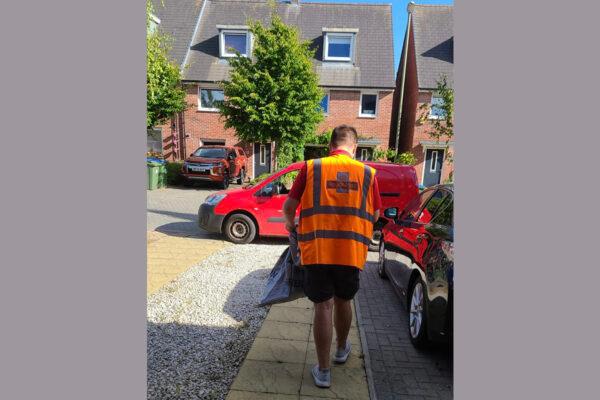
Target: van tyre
[(240, 229), (242, 176), (417, 316)]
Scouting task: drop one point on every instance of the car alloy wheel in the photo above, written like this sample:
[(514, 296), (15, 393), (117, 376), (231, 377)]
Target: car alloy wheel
[(381, 261), (417, 318)]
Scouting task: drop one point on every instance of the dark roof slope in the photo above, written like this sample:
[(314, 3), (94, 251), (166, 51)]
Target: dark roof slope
[(433, 30), (374, 65), (178, 18)]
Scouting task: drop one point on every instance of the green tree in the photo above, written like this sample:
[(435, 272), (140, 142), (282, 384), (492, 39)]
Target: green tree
[(274, 95), (164, 93), (441, 128)]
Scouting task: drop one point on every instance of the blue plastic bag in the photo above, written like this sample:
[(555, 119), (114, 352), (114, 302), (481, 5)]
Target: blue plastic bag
[(286, 280)]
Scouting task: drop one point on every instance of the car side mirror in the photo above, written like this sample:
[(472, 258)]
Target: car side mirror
[(391, 213)]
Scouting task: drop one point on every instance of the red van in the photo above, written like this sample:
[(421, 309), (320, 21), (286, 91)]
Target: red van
[(256, 210)]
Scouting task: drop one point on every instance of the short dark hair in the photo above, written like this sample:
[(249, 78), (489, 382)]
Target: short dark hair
[(343, 134)]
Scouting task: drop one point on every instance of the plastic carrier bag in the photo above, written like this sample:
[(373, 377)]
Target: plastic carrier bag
[(286, 280)]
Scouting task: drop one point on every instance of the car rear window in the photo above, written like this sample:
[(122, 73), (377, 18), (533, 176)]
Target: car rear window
[(210, 152)]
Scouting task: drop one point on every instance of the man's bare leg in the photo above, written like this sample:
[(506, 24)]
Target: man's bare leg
[(342, 319), (323, 331)]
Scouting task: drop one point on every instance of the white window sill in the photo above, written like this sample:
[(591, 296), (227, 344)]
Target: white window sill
[(342, 59), (371, 116), (435, 117), (208, 109), (233, 55)]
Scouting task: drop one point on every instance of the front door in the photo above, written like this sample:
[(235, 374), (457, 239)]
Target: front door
[(433, 167), (262, 158)]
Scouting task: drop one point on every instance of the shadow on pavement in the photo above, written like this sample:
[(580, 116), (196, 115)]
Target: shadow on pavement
[(187, 360)]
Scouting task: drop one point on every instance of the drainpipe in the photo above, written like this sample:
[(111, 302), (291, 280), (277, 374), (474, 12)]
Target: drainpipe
[(409, 8)]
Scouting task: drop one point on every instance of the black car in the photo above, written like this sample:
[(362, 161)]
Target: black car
[(416, 253)]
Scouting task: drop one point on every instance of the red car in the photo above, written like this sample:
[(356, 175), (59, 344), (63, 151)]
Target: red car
[(256, 210), (218, 164)]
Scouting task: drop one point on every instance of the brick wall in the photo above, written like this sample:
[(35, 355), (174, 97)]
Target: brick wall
[(343, 109), (420, 133)]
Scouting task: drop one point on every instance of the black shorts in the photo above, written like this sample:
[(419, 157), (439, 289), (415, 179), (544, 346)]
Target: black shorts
[(322, 282)]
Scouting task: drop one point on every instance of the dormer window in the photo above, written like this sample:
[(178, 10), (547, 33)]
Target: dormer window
[(232, 39), (338, 44)]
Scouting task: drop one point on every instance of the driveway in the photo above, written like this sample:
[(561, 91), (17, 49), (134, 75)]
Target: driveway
[(174, 211)]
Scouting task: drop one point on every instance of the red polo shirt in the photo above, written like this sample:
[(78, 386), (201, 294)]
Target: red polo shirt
[(300, 183)]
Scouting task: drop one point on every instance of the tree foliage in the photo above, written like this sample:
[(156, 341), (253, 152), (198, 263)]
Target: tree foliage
[(274, 95), (164, 93), (442, 128)]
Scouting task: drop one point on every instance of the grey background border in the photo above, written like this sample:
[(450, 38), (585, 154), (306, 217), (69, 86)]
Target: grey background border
[(72, 293)]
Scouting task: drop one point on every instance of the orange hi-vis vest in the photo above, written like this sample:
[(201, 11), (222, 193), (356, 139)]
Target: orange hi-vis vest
[(337, 213)]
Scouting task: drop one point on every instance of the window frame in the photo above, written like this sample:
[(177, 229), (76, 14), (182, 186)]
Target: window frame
[(223, 53), (200, 106), (431, 116), (432, 164), (360, 104), (326, 56), (262, 154), (328, 95)]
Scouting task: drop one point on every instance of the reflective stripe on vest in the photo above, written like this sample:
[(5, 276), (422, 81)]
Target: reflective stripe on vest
[(336, 234)]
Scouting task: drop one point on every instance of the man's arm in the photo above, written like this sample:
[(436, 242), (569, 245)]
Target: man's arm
[(376, 199), (289, 213), (293, 200)]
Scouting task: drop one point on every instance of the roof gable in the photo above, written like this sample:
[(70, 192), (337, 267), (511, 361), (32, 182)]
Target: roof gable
[(178, 18), (433, 30)]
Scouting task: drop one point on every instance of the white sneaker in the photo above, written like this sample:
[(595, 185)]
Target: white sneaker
[(321, 377), (341, 356)]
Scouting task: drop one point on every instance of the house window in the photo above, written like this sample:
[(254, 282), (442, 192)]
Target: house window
[(209, 98), (338, 46), (231, 41), (437, 110), (325, 104), (368, 105), (262, 155), (153, 23)]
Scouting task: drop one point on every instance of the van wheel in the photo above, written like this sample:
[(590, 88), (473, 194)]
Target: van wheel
[(417, 317), (242, 176), (240, 229)]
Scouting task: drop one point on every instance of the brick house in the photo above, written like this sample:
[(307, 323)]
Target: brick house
[(353, 58), (427, 55)]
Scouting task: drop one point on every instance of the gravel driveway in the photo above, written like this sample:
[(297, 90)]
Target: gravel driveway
[(201, 326)]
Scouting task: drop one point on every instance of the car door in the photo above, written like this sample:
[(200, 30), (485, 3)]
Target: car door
[(438, 262), (270, 201), (436, 204), (397, 245)]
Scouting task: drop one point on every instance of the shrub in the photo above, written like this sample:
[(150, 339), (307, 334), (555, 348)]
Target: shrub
[(406, 158), (259, 178), (174, 177)]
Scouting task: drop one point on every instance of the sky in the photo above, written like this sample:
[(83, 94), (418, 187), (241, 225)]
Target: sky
[(399, 18)]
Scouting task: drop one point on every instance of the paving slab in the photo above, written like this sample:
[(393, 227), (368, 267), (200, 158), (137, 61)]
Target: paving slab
[(269, 377), (290, 314), (284, 330), (278, 350)]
